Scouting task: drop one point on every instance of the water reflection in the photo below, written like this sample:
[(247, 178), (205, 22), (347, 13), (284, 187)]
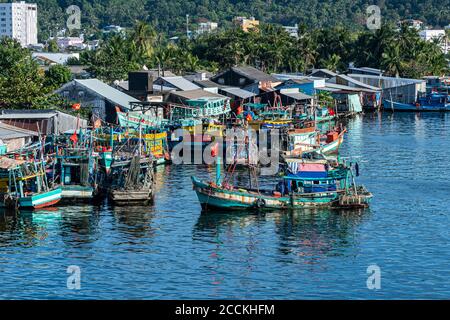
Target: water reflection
[(313, 234), (310, 234), (79, 226), (133, 221)]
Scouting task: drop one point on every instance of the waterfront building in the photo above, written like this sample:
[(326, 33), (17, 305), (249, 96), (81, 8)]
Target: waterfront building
[(18, 20), (247, 78), (97, 95)]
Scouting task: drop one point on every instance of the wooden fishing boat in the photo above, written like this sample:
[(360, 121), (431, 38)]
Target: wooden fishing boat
[(323, 189), (132, 180), (332, 141), (308, 139), (75, 168), (23, 184), (41, 200)]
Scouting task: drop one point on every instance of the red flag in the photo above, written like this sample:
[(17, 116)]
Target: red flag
[(76, 106), (215, 150), (74, 137)]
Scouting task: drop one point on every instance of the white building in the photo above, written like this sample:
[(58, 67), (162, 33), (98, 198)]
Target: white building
[(207, 27), (18, 20), (65, 42), (293, 31), (430, 35)]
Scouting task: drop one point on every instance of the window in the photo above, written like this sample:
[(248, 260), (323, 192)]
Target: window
[(221, 80)]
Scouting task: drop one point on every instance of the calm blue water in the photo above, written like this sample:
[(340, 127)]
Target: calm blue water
[(172, 251)]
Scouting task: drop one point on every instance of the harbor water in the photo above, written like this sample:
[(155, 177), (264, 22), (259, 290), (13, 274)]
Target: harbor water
[(170, 250)]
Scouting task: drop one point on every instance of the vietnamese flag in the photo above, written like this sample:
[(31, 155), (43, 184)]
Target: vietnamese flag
[(215, 150), (74, 137)]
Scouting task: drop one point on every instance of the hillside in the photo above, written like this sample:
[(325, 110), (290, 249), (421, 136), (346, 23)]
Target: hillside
[(169, 15)]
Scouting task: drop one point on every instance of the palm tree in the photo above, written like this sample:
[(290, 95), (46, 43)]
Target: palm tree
[(332, 62), (392, 60), (143, 39)]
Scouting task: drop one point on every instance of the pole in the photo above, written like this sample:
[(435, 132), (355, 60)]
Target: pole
[(218, 177), (187, 26)]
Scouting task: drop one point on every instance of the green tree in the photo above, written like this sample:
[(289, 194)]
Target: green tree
[(56, 76), (52, 46), (21, 80)]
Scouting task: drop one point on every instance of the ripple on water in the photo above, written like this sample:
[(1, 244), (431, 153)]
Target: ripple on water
[(171, 250)]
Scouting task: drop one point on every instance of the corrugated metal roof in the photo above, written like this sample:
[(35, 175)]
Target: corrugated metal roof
[(11, 132), (356, 82), (369, 76), (111, 94), (255, 74), (180, 83), (326, 71), (341, 87), (197, 94), (60, 58), (298, 96), (159, 88), (207, 84), (241, 93), (26, 114)]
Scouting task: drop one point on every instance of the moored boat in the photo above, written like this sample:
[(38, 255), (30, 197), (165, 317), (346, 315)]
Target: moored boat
[(431, 102), (24, 185), (309, 189)]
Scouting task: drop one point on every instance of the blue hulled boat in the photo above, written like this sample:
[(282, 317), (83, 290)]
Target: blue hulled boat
[(431, 102)]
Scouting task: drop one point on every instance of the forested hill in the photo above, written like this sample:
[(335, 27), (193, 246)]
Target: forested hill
[(170, 15)]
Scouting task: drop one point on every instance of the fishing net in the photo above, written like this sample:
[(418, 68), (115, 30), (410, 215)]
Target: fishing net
[(132, 178)]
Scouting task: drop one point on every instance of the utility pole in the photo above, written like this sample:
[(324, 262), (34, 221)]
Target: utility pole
[(187, 26)]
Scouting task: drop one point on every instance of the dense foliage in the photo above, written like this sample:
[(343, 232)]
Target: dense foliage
[(23, 84), (170, 15), (271, 49)]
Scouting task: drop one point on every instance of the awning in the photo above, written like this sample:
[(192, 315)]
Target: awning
[(240, 93), (298, 96)]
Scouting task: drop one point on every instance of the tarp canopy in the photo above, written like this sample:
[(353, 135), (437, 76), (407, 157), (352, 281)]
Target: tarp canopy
[(7, 163)]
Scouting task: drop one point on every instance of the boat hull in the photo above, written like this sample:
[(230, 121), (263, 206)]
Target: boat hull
[(127, 196), (332, 147), (211, 197), (398, 106), (42, 200), (77, 192)]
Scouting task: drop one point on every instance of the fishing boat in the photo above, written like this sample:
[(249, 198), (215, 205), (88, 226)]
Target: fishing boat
[(306, 139), (431, 102), (332, 140), (154, 136), (131, 177), (324, 114), (23, 185), (303, 189), (76, 166), (132, 180)]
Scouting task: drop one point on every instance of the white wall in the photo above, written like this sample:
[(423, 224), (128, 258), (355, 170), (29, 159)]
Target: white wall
[(19, 20)]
